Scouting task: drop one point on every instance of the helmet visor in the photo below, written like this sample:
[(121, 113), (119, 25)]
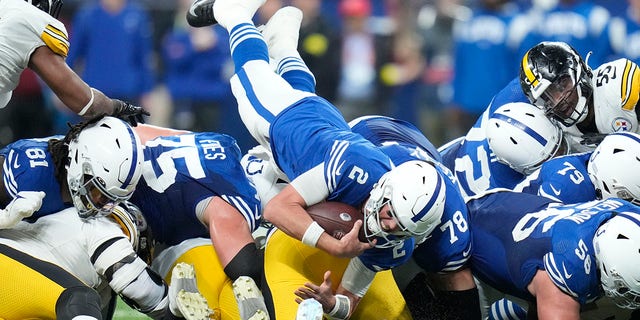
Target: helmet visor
[(95, 199), (561, 97)]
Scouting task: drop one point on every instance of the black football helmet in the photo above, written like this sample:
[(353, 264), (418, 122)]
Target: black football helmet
[(555, 78), (51, 7)]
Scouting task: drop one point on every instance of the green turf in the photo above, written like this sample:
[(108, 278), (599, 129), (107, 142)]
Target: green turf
[(124, 312)]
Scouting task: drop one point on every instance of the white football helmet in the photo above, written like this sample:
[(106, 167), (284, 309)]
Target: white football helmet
[(617, 250), (522, 137), (614, 165), (415, 192), (104, 166), (51, 7)]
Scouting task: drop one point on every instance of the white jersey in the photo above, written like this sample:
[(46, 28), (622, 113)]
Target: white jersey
[(23, 28), (616, 89), (66, 240)]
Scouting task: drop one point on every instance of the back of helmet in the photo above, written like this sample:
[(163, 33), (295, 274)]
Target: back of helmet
[(522, 137), (617, 251), (613, 167)]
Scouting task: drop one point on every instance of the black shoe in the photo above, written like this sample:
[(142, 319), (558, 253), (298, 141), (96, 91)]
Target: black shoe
[(200, 14)]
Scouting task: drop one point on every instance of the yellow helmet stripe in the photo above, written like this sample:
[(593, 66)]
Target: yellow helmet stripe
[(630, 89), (56, 40), (527, 71)]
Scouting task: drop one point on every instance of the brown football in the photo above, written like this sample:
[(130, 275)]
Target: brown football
[(336, 218)]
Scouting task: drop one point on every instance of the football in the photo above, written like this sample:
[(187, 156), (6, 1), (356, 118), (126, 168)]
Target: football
[(336, 218)]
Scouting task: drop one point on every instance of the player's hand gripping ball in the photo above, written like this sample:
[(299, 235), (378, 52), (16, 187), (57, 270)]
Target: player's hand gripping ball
[(336, 218)]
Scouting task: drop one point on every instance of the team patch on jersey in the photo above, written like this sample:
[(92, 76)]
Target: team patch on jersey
[(630, 88), (56, 40), (620, 124)]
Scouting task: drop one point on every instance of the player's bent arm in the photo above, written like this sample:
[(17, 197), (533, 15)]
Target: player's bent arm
[(231, 236), (148, 132), (551, 302), (67, 85), (287, 212), (130, 277)]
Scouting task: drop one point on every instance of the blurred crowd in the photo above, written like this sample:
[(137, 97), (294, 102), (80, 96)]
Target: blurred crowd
[(435, 63)]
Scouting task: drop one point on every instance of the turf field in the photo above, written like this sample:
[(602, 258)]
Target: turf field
[(124, 312)]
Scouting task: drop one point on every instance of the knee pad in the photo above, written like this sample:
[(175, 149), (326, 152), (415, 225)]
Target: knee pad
[(78, 301)]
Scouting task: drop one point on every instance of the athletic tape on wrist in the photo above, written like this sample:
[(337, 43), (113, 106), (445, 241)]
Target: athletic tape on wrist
[(312, 235), (89, 104), (341, 310)]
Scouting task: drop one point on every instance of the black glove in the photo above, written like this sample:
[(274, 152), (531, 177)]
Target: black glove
[(592, 139), (128, 112)]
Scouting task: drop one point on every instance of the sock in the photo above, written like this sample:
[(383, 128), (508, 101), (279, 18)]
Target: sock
[(246, 45), (296, 73)]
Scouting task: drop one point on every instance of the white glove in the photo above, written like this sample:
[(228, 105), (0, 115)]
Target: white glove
[(22, 206)]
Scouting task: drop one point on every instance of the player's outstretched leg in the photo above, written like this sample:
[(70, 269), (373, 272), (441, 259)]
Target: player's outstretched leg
[(250, 300), (281, 34)]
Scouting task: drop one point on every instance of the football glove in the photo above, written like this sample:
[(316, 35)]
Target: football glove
[(22, 206), (129, 112), (592, 139)]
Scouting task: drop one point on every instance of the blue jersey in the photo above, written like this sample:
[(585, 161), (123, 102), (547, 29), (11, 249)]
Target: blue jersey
[(448, 246), (312, 132), (28, 167), (181, 173), (516, 234), (472, 161), (564, 179)]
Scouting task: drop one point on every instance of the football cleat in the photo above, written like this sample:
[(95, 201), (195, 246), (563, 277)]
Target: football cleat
[(184, 298), (193, 306), (200, 13), (250, 300)]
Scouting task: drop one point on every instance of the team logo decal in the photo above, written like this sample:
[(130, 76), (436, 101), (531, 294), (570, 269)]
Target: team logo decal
[(620, 124)]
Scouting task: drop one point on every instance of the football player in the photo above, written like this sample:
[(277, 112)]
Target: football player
[(62, 267), (509, 140), (94, 167), (445, 252), (203, 209), (313, 145), (557, 257), (589, 104), (609, 171), (35, 39)]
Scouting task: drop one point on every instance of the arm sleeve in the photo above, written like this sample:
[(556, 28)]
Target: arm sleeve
[(357, 278), (308, 186)]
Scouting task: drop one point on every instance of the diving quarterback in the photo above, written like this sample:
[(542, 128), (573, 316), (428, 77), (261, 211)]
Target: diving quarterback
[(66, 267), (445, 252), (94, 167), (35, 39), (313, 145), (202, 209), (557, 257)]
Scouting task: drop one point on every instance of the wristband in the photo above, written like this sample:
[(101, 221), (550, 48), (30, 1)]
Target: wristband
[(341, 310), (312, 235), (89, 104)]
